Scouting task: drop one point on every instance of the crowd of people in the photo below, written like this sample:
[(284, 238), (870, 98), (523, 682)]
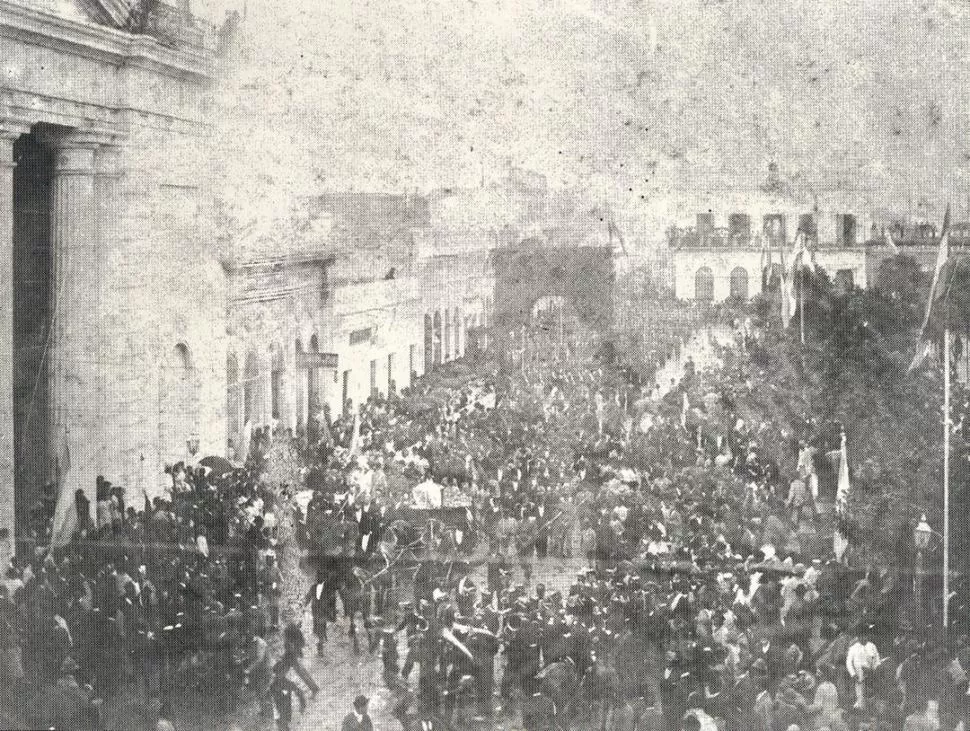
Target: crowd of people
[(712, 597), (155, 598), (709, 595)]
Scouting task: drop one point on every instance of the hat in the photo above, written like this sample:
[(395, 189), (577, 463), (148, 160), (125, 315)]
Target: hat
[(360, 702), (69, 665)]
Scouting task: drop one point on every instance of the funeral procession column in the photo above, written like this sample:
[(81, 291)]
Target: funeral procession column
[(7, 535), (75, 362)]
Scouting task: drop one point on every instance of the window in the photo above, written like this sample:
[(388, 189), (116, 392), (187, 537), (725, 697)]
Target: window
[(739, 284), (232, 406), (251, 390), (276, 382), (300, 388), (447, 335), (771, 277), (428, 343), (456, 320), (844, 230), (373, 379), (774, 230), (347, 405), (808, 226), (436, 355), (361, 336), (739, 228), (704, 285)]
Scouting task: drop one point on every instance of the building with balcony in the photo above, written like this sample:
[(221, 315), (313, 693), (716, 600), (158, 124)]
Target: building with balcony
[(740, 255)]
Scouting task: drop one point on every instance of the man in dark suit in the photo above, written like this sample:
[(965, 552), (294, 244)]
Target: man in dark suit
[(358, 720)]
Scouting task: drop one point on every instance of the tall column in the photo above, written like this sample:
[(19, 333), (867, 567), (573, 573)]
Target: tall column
[(7, 506), (116, 435), (75, 346)]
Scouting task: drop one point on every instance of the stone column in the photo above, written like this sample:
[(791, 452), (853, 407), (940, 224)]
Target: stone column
[(74, 375), (116, 437), (7, 506)]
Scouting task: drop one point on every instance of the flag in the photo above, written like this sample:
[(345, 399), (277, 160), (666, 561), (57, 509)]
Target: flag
[(840, 542), (65, 510), (355, 439), (942, 255), (612, 230), (842, 493), (888, 238)]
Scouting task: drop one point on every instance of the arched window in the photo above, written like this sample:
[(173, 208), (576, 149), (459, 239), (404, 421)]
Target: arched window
[(233, 427), (739, 284), (456, 319), (437, 339), (277, 368), (314, 397), (704, 285), (428, 343), (301, 387), (251, 400), (771, 278), (447, 334)]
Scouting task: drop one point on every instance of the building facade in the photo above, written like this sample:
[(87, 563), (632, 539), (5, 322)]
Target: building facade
[(112, 342)]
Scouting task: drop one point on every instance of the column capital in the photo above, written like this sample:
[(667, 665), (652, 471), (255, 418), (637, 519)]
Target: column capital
[(107, 160), (9, 132)]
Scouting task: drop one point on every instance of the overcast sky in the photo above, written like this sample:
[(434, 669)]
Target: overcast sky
[(630, 98)]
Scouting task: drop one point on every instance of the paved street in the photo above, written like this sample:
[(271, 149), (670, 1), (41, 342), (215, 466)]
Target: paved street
[(342, 675)]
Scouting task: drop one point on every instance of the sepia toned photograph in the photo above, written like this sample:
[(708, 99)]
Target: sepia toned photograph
[(472, 365)]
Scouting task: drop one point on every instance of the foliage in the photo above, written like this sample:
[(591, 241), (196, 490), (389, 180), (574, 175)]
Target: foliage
[(851, 374)]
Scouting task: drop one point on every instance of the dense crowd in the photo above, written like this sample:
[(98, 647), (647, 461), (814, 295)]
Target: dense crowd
[(155, 598), (711, 596)]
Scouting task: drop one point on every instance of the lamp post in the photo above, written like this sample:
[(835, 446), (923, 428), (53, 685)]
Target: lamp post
[(921, 538)]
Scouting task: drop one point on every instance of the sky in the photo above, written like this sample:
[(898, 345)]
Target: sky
[(630, 100)]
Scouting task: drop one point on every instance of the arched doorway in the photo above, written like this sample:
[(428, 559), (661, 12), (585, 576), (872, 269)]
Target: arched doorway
[(314, 397), (428, 343), (739, 284), (704, 285), (251, 399), (276, 373), (301, 387), (233, 403), (771, 277), (456, 319), (436, 359), (447, 335), (178, 405)]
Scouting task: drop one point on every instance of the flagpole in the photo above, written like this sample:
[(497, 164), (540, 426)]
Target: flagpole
[(946, 479)]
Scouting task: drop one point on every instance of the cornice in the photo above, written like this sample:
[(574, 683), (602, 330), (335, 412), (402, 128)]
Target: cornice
[(20, 22)]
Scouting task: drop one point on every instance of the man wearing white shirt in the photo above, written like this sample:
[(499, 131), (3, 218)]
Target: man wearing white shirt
[(860, 660)]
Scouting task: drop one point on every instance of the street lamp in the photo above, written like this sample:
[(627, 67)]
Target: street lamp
[(193, 445), (921, 537)]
